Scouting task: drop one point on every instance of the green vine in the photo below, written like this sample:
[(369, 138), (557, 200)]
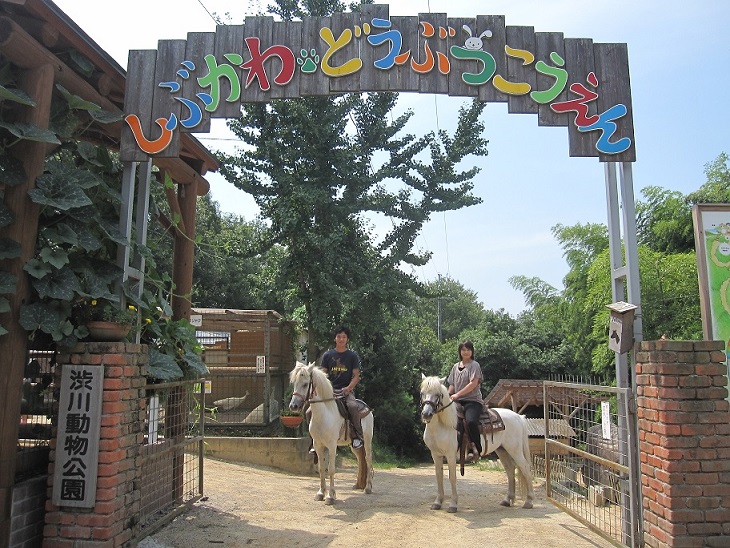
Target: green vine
[(79, 197)]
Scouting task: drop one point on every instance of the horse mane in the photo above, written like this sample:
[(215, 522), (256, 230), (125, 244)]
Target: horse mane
[(321, 383), (296, 372), (433, 385)]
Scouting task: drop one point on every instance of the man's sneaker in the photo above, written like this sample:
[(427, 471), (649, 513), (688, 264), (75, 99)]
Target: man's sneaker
[(356, 443)]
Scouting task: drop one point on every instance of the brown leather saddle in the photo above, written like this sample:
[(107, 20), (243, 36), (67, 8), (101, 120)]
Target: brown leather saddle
[(342, 408), (489, 421)]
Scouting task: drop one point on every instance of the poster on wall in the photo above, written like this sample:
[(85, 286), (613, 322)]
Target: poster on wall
[(712, 243)]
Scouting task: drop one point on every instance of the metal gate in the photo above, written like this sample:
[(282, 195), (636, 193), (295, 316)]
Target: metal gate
[(172, 455), (592, 475)]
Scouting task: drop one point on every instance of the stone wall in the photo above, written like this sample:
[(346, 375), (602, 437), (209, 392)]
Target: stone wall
[(684, 442), (288, 454)]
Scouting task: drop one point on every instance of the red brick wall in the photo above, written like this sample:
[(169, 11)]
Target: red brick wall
[(684, 442), (112, 521)]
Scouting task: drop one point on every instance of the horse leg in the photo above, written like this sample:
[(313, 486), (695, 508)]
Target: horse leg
[(331, 462), (368, 448), (322, 462), (367, 430), (451, 460), (438, 462), (509, 467), (361, 468), (523, 465)]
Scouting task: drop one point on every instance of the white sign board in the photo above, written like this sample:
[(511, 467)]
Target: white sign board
[(196, 320), (260, 364), (606, 420)]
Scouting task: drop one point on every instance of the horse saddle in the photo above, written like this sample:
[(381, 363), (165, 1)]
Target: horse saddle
[(342, 408), (489, 420)]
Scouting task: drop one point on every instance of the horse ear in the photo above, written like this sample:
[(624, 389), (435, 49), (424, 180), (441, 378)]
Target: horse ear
[(422, 375), (443, 380)]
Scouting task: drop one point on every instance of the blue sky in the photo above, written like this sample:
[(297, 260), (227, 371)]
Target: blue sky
[(678, 59)]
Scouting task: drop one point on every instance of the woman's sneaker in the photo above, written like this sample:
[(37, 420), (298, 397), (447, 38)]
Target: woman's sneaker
[(356, 443)]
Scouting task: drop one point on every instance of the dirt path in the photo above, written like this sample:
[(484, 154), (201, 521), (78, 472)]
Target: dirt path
[(255, 506)]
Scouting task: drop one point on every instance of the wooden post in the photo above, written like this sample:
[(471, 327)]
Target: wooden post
[(184, 249), (38, 83)]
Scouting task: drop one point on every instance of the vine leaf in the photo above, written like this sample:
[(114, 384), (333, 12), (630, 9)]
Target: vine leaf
[(9, 248), (6, 216), (31, 133), (17, 95), (163, 366), (7, 283), (37, 268), (39, 316), (61, 285), (56, 257)]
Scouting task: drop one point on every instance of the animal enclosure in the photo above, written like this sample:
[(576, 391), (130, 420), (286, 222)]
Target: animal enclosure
[(249, 354)]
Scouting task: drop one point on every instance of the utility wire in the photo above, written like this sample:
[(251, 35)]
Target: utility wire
[(207, 11)]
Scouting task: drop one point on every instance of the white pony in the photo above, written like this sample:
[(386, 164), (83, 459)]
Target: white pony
[(327, 428), (439, 415), (511, 444)]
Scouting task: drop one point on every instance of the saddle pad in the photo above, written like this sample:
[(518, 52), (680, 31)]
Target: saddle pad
[(490, 421)]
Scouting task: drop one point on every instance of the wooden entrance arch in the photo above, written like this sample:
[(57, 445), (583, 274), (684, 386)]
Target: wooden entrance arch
[(569, 82)]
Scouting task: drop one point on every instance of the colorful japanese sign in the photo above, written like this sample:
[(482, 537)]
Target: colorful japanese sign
[(77, 442), (566, 82), (712, 242)]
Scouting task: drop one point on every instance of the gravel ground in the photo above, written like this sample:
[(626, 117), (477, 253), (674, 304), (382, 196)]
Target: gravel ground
[(246, 505)]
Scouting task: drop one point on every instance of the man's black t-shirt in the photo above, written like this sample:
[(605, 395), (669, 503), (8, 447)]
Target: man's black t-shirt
[(339, 366)]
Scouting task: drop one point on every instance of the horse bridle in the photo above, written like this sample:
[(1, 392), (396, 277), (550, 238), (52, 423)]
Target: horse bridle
[(435, 405), (310, 392)]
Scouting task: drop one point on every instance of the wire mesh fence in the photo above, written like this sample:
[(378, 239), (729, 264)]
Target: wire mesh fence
[(36, 415), (172, 456), (588, 474)]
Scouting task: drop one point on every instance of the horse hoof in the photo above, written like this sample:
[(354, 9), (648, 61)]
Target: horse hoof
[(329, 501), (452, 510), (506, 503), (368, 490), (435, 506), (319, 496), (528, 504)]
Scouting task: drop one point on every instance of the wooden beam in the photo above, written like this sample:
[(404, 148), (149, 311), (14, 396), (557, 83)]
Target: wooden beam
[(23, 50), (183, 174), (184, 254), (38, 83)]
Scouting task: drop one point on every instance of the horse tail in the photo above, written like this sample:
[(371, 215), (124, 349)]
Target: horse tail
[(525, 435)]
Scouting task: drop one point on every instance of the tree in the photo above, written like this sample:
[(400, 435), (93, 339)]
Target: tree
[(317, 165)]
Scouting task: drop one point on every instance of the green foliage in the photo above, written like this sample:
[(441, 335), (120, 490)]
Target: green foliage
[(73, 272)]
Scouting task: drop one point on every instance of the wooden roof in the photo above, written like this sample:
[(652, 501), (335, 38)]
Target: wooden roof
[(515, 394), (35, 32), (229, 319), (559, 428)]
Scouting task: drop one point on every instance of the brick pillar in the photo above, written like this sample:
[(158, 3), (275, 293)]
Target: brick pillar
[(684, 442), (112, 521)]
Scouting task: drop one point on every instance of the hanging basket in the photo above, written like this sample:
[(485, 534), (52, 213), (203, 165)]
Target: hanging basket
[(291, 421), (108, 331)]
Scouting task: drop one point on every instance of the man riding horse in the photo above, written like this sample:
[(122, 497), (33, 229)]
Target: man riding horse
[(343, 369)]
